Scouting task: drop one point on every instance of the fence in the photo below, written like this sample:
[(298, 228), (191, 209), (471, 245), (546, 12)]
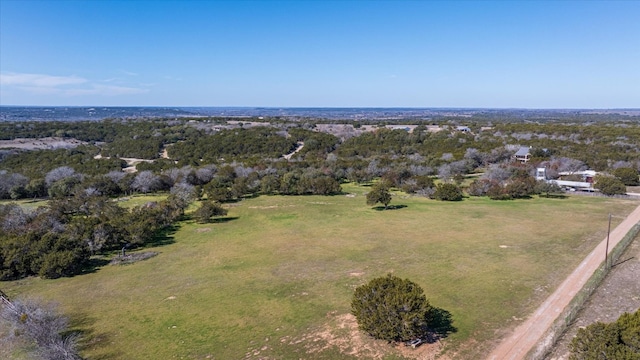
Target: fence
[(599, 194), (571, 311), (4, 300)]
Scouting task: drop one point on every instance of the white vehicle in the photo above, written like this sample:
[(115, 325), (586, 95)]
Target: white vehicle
[(414, 343)]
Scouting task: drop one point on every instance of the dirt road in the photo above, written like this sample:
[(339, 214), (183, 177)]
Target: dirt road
[(300, 146), (618, 293), (529, 333)]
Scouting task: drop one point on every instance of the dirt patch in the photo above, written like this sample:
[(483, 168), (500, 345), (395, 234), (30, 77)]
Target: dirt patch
[(618, 293), (42, 143), (341, 333), (201, 230), (269, 207)]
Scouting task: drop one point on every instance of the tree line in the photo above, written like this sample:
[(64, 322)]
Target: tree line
[(232, 164)]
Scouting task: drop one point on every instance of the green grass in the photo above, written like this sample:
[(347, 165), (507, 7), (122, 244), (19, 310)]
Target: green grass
[(29, 204), (270, 276)]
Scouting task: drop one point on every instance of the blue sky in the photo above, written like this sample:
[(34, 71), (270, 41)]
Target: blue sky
[(503, 54)]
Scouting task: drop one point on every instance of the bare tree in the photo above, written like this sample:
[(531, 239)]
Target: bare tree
[(497, 172), (474, 156), (13, 218), (622, 164), (59, 173), (447, 156), (242, 171), (421, 170), (497, 155), (374, 169), (115, 176), (205, 173), (446, 172), (184, 193), (146, 181), (174, 174), (569, 165), (44, 326), (10, 181)]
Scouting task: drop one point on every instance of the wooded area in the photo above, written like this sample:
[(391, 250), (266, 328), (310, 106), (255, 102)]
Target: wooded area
[(222, 161)]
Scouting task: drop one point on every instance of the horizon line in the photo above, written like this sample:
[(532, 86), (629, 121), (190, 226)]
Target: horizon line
[(322, 107)]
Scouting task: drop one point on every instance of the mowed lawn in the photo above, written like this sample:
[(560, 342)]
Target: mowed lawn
[(279, 270)]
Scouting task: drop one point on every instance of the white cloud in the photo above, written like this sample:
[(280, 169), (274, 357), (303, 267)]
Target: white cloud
[(108, 90), (66, 86), (39, 80)]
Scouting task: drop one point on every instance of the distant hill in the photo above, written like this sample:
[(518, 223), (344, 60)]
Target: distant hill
[(78, 113)]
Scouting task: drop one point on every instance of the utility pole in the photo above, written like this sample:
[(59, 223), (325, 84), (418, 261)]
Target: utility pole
[(606, 252)]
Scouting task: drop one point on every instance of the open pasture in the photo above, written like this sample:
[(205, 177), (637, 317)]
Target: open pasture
[(274, 279)]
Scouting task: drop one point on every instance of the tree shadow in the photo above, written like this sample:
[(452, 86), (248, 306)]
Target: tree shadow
[(622, 262), (93, 265), (389, 207), (82, 327), (222, 220), (163, 237), (440, 324), (339, 193), (553, 196), (231, 201)]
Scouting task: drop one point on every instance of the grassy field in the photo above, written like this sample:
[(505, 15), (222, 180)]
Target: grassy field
[(275, 278)]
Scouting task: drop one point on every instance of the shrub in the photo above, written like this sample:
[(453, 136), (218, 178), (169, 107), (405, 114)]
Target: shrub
[(448, 192), (619, 340), (390, 308), (480, 187), (42, 325), (547, 188), (609, 185), (207, 210), (521, 187)]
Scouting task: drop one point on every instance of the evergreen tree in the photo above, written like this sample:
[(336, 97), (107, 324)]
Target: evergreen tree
[(448, 192), (207, 210), (392, 309), (609, 185), (619, 340), (628, 176)]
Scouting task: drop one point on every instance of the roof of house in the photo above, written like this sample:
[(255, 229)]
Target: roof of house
[(523, 151)]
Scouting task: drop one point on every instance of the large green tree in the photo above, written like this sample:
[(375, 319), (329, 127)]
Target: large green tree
[(628, 176), (619, 340), (392, 309), (609, 185), (379, 194)]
